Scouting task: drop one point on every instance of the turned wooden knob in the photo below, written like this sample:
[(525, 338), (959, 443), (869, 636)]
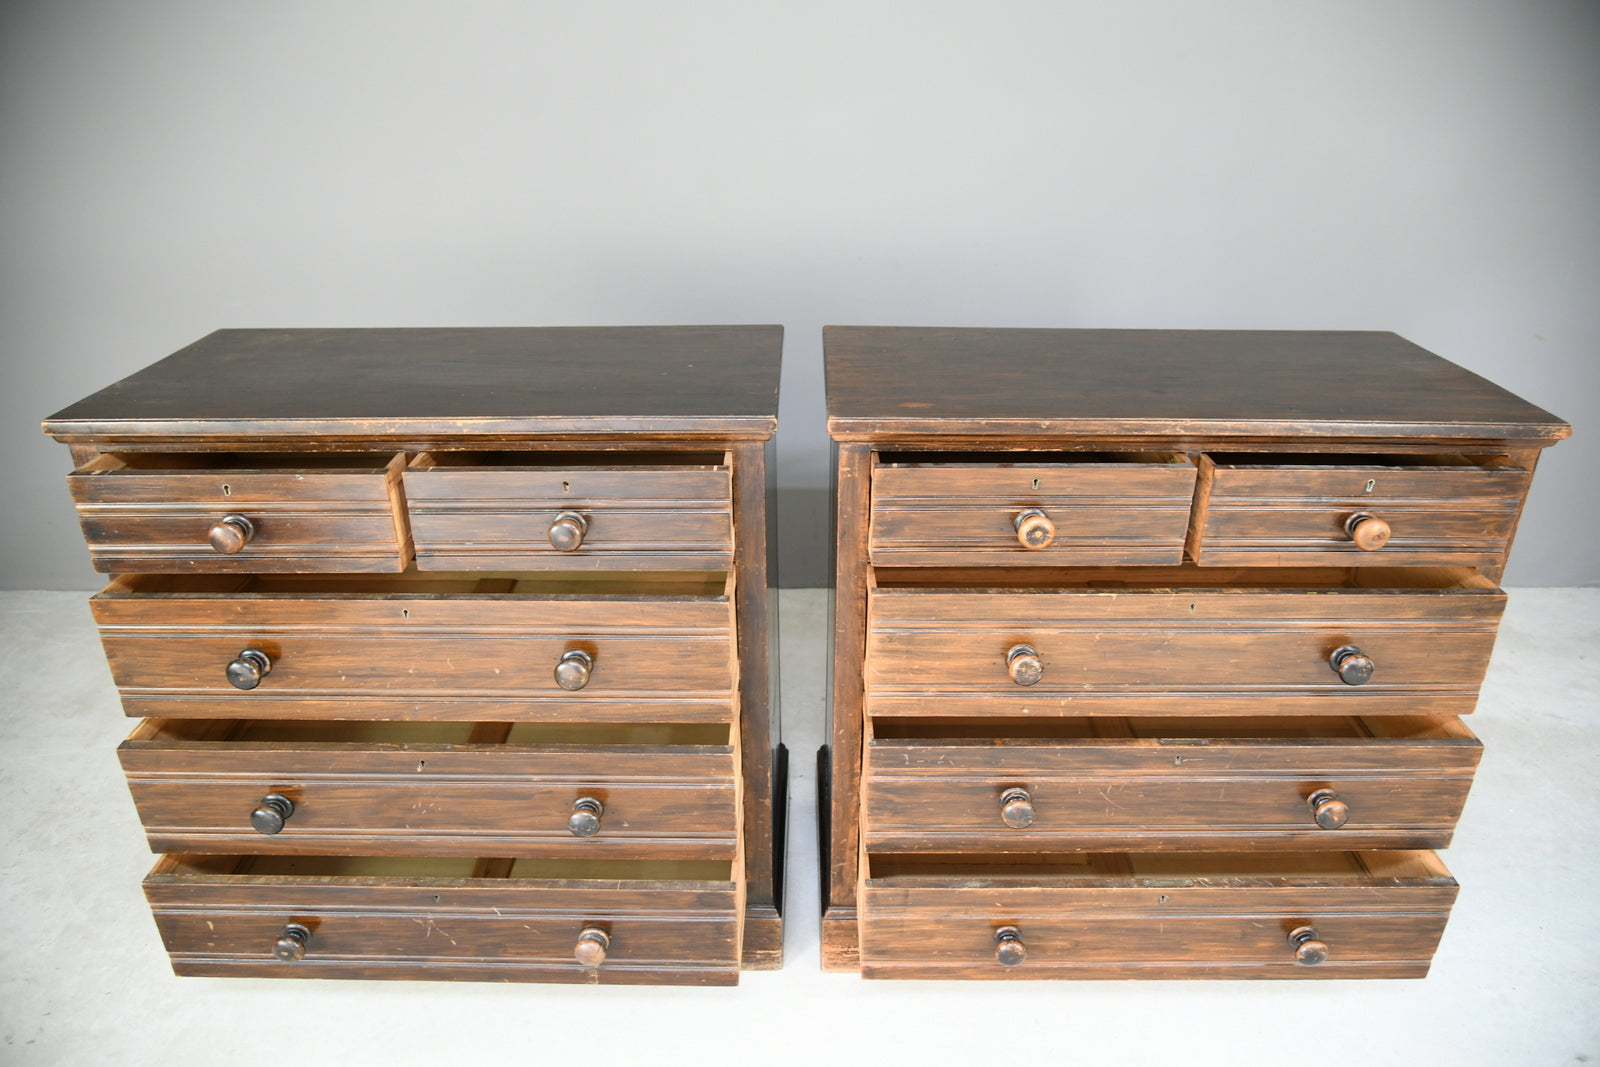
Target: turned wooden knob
[(1353, 666), (274, 811), (1023, 662), (566, 533), (574, 668), (585, 818), (231, 534), (248, 668), (591, 948), (1034, 529), (1008, 946), (1307, 949), (1016, 808), (1369, 532), (291, 944), (1329, 811)]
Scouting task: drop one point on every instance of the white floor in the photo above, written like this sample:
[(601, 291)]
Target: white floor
[(83, 978)]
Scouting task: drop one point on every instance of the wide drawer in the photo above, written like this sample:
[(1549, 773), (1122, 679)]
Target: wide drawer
[(1173, 915), (437, 789), (1137, 649), (421, 648), (1276, 511), (1165, 784), (555, 511), (158, 512), (1088, 510), (488, 920)]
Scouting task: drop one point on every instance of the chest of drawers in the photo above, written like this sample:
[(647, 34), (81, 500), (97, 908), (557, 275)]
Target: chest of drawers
[(1151, 648), (450, 649)]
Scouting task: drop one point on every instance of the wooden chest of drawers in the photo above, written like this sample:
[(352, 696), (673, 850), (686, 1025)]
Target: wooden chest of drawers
[(1151, 648), (451, 649)]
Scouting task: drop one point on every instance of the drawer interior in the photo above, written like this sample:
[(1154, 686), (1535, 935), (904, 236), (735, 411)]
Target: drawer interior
[(1026, 459), (1176, 730), (424, 735), (1155, 869), (1345, 460), (526, 460), (179, 462), (1179, 578), (617, 584), (425, 867)]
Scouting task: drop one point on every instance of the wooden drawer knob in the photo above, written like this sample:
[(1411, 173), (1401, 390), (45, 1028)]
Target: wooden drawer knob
[(591, 948), (1034, 529), (291, 944), (1353, 666), (231, 534), (1008, 946), (1024, 664), (274, 811), (1329, 811), (574, 668), (248, 668), (585, 818), (1016, 808), (1369, 532), (1307, 948), (566, 533)]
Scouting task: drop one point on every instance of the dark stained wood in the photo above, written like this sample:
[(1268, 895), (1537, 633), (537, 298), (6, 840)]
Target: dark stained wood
[(853, 474), (376, 919), (884, 381), (708, 380), (1180, 916)]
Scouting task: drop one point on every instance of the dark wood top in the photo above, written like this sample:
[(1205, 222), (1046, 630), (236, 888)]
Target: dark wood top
[(718, 380), (885, 381)]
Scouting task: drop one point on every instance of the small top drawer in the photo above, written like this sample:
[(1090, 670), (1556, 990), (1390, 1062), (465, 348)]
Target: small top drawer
[(1032, 509), (1425, 510), (167, 512), (571, 511)]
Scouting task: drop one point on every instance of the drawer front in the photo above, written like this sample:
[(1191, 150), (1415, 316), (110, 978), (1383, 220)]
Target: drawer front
[(964, 515), (665, 518), (421, 657), (1153, 928), (302, 521), (1289, 515), (1182, 794), (474, 929), (1199, 652), (344, 799)]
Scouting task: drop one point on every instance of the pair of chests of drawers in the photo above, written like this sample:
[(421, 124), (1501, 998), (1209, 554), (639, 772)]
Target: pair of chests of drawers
[(437, 714), (1173, 714)]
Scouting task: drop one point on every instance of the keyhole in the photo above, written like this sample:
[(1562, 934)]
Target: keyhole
[(421, 763), (1177, 761), (405, 613), (566, 487), (1162, 899), (1372, 483), (1036, 483), (227, 490)]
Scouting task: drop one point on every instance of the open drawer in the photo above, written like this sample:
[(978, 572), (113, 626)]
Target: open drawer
[(231, 512), (1029, 509), (1157, 915), (620, 511), (628, 648), (435, 788), (588, 921), (1098, 784)]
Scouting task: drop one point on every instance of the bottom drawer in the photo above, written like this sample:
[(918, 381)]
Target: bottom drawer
[(589, 922), (1168, 915)]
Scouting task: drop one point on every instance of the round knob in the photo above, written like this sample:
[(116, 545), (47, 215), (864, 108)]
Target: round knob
[(1008, 946), (585, 818), (1024, 664), (1016, 808), (566, 533), (248, 668), (591, 948), (231, 534), (1353, 666), (1034, 529), (573, 671), (291, 944), (1369, 532), (274, 811), (1307, 949), (1329, 811)]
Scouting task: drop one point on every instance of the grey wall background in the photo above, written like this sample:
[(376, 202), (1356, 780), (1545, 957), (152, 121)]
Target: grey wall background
[(169, 168)]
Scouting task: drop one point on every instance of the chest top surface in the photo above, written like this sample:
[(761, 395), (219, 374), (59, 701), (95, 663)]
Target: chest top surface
[(716, 380), (886, 381)]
